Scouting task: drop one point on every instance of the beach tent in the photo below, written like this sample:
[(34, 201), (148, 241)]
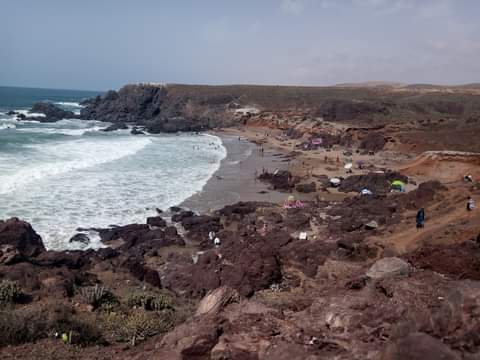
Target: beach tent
[(366, 192), (398, 185), (348, 166), (335, 182)]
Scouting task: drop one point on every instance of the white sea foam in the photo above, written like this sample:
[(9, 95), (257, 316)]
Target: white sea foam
[(100, 180), (70, 132), (29, 114), (64, 157), (7, 126), (68, 103)]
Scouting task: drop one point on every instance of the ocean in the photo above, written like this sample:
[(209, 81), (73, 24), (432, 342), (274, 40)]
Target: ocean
[(68, 175)]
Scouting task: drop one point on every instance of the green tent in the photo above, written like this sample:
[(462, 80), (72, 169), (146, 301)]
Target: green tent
[(398, 183)]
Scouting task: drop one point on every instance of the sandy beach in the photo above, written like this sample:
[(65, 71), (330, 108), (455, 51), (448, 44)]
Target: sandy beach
[(236, 180)]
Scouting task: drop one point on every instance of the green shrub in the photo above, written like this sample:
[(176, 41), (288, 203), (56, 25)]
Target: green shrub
[(150, 301), (138, 325), (10, 292), (98, 296), (28, 325)]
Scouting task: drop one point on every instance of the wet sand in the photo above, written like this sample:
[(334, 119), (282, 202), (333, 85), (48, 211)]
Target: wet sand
[(235, 179)]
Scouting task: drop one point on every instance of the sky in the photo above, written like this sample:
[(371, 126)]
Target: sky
[(104, 44)]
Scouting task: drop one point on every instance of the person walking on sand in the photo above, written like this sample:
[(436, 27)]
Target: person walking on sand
[(420, 218), (470, 204)]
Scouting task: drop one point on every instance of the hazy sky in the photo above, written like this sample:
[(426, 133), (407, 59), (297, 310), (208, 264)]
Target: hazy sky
[(102, 44)]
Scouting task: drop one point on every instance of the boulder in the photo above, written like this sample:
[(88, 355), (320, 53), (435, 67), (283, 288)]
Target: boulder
[(9, 254), (80, 238), (306, 188), (419, 346), (157, 221), (52, 113), (182, 214), (21, 235), (388, 267), (280, 180), (116, 126), (136, 131), (11, 112), (215, 300)]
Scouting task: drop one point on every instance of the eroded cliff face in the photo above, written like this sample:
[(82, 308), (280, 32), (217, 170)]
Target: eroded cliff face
[(158, 109), (172, 108)]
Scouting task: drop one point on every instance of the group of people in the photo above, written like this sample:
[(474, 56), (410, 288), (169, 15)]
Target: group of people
[(420, 218), (213, 238)]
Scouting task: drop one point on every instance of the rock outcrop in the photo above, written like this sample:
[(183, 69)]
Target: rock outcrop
[(157, 108), (52, 113), (21, 235)]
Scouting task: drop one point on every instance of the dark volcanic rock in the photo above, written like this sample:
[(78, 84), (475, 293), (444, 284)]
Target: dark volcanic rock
[(52, 113), (11, 112), (155, 108), (373, 142), (376, 183), (280, 180), (117, 126), (80, 238), (306, 188), (136, 131), (157, 221), (198, 226), (22, 236), (69, 259), (141, 237), (9, 254), (419, 346), (463, 260), (182, 214), (247, 264)]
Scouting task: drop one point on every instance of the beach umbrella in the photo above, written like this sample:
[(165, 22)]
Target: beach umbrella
[(398, 183), (348, 166)]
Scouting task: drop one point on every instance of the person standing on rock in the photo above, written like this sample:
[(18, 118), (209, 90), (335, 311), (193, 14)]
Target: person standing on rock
[(420, 218)]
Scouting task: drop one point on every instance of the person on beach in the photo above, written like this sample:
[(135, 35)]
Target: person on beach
[(470, 204), (420, 218), (211, 235)]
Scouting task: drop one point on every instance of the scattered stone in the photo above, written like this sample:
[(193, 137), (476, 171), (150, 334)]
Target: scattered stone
[(306, 188), (388, 267), (215, 300)]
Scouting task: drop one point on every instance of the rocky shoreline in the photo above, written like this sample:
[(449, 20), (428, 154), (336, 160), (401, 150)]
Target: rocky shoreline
[(332, 273)]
